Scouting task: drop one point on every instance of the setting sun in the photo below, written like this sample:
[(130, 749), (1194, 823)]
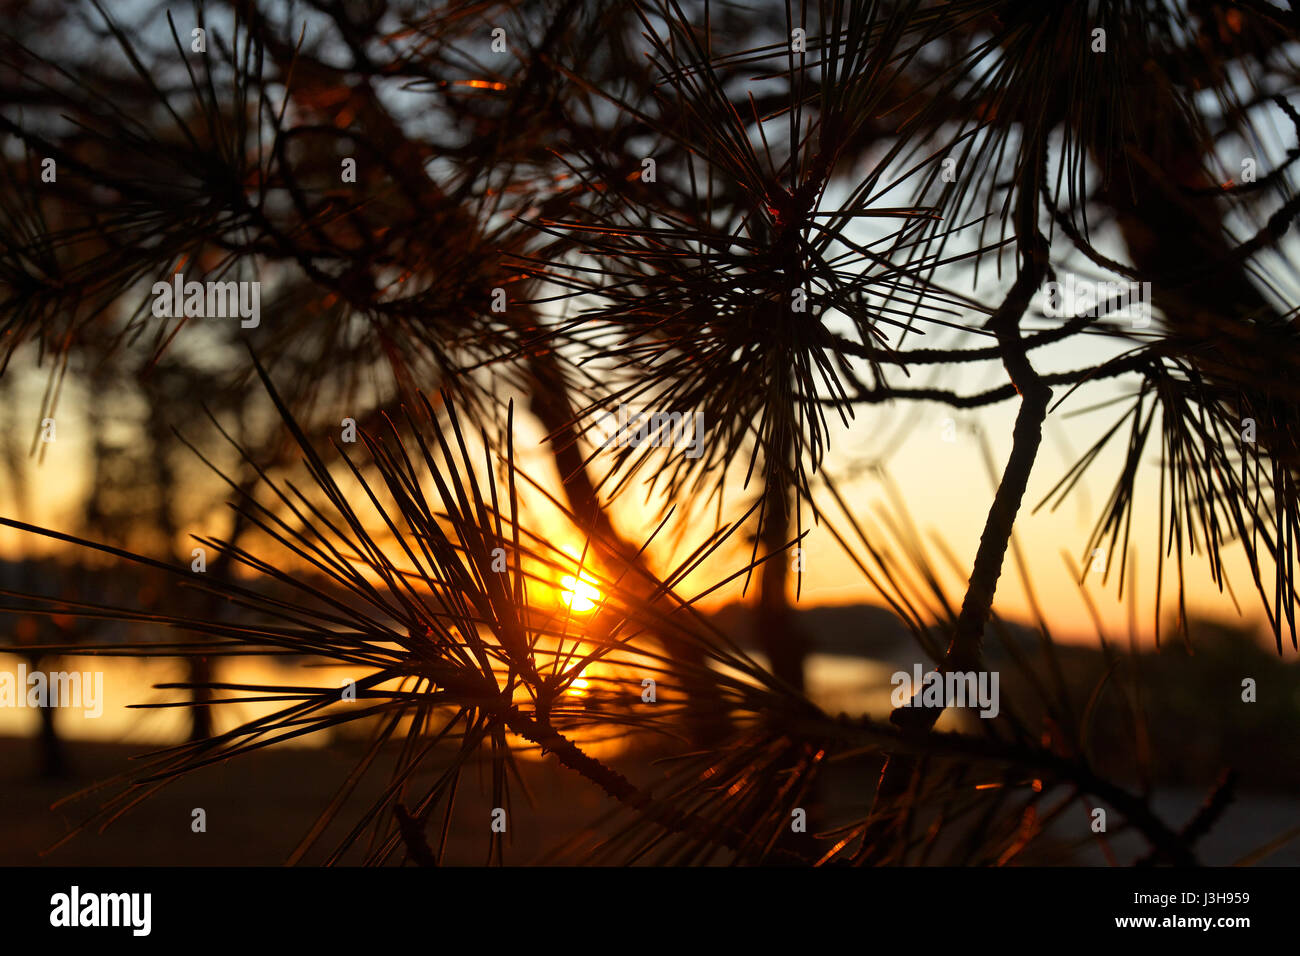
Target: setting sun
[(578, 593)]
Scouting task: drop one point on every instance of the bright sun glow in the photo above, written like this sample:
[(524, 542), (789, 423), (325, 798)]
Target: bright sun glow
[(578, 594)]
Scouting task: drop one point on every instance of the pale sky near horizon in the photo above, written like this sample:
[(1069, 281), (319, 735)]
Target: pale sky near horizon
[(945, 485)]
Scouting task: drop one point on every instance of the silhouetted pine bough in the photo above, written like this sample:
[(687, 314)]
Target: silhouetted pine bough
[(454, 650), (771, 219)]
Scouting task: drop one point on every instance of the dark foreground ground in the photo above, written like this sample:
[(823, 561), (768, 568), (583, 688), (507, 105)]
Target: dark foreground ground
[(259, 806)]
